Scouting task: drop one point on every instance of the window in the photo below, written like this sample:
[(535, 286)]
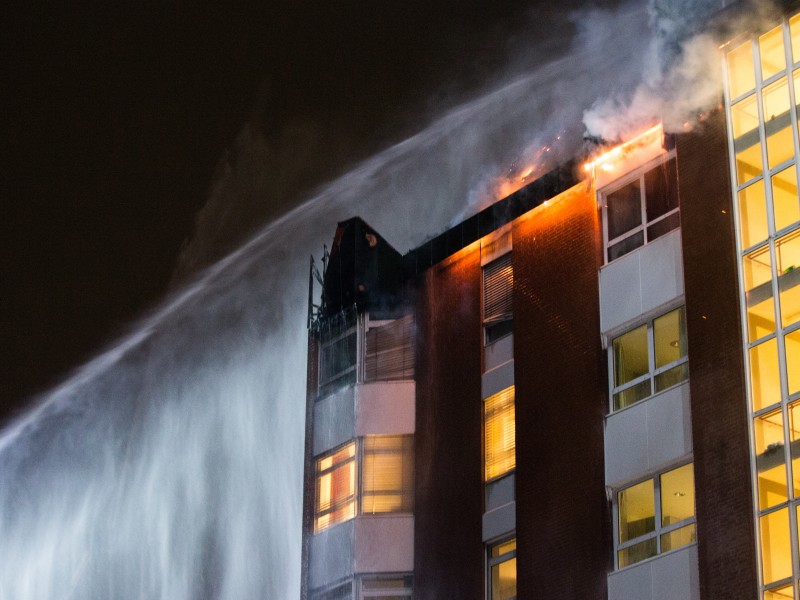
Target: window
[(649, 359), (640, 210), (342, 591), (387, 587), (336, 487), (337, 351), (503, 571), (389, 352), (499, 428), (655, 516), (386, 479), (387, 475), (498, 285)]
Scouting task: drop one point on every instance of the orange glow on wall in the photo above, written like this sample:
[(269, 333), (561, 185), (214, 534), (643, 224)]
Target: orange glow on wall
[(610, 160)]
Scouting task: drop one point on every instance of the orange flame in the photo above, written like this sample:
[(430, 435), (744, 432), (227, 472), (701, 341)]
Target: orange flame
[(608, 160)]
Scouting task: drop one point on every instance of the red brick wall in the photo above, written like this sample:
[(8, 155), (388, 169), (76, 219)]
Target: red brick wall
[(449, 558), (563, 532), (726, 544)]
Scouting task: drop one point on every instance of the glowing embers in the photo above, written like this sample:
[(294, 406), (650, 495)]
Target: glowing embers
[(616, 159)]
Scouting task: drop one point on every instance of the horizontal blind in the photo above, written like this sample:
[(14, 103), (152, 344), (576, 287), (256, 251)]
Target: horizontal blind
[(387, 474), (498, 285), (499, 433), (390, 351), (336, 487)]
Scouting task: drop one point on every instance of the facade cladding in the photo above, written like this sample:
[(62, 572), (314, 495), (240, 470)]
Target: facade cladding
[(587, 390)]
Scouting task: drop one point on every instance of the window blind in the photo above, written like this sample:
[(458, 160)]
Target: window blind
[(390, 351), (498, 285), (387, 474), (499, 434)]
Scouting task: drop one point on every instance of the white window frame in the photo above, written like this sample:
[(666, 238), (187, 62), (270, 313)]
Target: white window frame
[(652, 371), (406, 591), (620, 183), (658, 531)]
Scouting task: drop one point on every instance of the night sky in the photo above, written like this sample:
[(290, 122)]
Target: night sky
[(117, 116)]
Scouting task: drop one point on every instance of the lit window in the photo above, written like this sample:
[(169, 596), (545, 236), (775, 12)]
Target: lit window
[(639, 210), (387, 474), (387, 587), (503, 571), (649, 359), (498, 286), (499, 434), (336, 487), (655, 516)]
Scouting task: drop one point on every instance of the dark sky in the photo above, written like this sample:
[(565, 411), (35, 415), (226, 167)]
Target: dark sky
[(115, 117)]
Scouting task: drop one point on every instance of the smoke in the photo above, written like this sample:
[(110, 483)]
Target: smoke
[(680, 75)]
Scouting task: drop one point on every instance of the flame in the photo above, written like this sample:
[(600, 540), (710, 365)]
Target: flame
[(609, 159)]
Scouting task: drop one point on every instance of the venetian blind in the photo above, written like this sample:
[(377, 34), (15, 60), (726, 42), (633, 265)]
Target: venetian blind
[(390, 351), (387, 474), (499, 434), (498, 284)]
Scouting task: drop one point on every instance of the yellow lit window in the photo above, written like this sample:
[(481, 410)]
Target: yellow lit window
[(794, 28), (336, 487), (785, 198), (499, 434), (792, 341), (758, 287), (741, 74), (788, 257), (503, 571), (765, 386), (770, 461), (777, 123), (753, 214), (387, 475), (776, 548), (784, 592), (773, 58)]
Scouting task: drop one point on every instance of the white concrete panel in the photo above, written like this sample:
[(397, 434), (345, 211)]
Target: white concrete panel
[(497, 379), (500, 521), (385, 407), (384, 544), (648, 436), (620, 292), (626, 444), (331, 554), (641, 282), (501, 491), (497, 353), (334, 420), (661, 267), (671, 576)]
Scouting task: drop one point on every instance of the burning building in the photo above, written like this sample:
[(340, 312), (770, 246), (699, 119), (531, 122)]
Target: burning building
[(586, 390)]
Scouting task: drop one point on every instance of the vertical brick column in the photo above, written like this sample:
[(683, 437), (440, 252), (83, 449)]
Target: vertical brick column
[(726, 544), (563, 532), (448, 556)]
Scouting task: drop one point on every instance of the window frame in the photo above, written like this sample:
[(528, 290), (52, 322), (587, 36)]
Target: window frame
[(361, 453), (652, 371), (494, 561), (616, 185), (658, 529), (513, 405), (406, 591), (506, 319)]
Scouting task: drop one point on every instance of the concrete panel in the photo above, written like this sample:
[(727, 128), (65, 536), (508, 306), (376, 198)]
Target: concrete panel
[(334, 420), (500, 491), (497, 353), (620, 292), (497, 379), (384, 544), (385, 407), (661, 267), (500, 521), (641, 282), (331, 554), (648, 436), (671, 576)]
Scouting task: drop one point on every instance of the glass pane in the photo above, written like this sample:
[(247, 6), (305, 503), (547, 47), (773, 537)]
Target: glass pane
[(661, 190), (499, 434), (744, 117), (770, 461), (387, 474), (781, 593), (672, 376), (637, 552), (794, 29), (632, 394), (503, 548), (677, 495), (784, 198), (665, 225), (678, 538), (794, 445), (777, 123), (669, 333), (637, 511), (776, 554), (631, 358), (504, 580), (765, 382), (625, 246), (787, 250), (624, 209), (753, 214), (792, 341), (773, 59), (741, 72), (758, 285), (748, 163)]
